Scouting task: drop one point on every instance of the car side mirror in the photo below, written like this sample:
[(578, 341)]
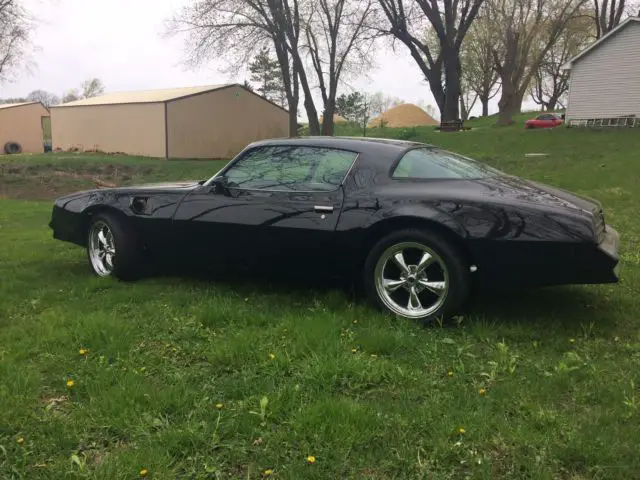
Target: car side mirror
[(220, 186)]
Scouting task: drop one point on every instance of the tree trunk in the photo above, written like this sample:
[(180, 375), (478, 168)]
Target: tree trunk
[(485, 106), (452, 82), (327, 118), (293, 118), (552, 103), (510, 102), (464, 115)]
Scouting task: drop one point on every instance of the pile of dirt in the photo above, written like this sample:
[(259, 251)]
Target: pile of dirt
[(405, 115)]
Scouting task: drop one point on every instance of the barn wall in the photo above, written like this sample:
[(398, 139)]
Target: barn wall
[(135, 129), (606, 81), (23, 124), (219, 124)]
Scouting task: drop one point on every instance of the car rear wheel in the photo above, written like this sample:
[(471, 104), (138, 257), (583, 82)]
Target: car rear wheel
[(112, 249), (416, 275)]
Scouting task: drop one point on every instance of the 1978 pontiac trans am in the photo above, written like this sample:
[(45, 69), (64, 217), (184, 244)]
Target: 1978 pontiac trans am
[(416, 224)]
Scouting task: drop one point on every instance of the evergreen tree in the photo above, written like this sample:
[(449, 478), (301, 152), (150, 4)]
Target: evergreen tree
[(266, 74)]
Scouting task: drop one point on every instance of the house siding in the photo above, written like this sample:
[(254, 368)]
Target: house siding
[(606, 81)]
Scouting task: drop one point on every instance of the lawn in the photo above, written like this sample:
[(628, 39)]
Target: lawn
[(197, 378)]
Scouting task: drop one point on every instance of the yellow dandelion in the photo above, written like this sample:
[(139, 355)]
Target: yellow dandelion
[(373, 355), (219, 406), (144, 472), (354, 350), (461, 431), (355, 321), (268, 472), (20, 441), (482, 391), (450, 373), (70, 383), (311, 459), (572, 340), (83, 351), (272, 356)]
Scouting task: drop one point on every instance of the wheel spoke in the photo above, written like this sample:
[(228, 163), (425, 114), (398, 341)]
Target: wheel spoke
[(399, 259), (109, 238), (102, 238), (109, 260), (426, 261), (414, 301), (392, 285), (434, 287)]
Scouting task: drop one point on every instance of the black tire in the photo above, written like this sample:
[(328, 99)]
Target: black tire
[(128, 259), (457, 270), (12, 148)]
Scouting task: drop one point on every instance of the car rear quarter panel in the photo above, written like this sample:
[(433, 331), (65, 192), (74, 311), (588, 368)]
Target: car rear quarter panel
[(503, 239)]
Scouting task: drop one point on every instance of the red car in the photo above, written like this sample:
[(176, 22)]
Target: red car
[(546, 120)]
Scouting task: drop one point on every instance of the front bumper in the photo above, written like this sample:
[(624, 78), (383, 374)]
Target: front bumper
[(610, 246)]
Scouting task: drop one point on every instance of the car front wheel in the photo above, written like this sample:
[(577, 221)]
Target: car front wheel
[(112, 249), (417, 275)]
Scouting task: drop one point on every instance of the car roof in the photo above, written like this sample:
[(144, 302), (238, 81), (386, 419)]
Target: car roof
[(356, 144)]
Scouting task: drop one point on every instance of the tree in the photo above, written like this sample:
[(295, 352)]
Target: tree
[(235, 29), (527, 30), (337, 40), (478, 70), (607, 16), (15, 29), (265, 72), (92, 88), (5, 101), (248, 86), (550, 82), (48, 99), (380, 103), (351, 106), (71, 95), (450, 20)]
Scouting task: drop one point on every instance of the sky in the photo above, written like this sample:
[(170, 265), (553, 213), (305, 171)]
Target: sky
[(121, 42)]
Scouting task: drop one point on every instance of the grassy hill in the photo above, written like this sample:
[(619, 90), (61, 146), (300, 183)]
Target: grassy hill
[(197, 378)]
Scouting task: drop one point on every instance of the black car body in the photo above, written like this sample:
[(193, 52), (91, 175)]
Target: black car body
[(503, 229)]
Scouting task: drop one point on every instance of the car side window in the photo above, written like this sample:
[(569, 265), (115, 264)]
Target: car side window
[(291, 168)]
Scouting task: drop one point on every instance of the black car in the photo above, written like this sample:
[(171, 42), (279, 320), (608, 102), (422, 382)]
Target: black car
[(418, 225)]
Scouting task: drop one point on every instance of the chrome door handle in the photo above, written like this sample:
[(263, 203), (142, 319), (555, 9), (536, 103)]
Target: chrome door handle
[(323, 209)]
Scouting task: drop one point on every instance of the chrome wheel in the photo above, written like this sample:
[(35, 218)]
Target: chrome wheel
[(102, 249), (411, 280)]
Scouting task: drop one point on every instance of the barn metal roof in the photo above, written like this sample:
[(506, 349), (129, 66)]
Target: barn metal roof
[(143, 96), (10, 105)]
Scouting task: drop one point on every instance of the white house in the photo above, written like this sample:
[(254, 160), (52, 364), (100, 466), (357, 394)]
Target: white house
[(605, 77)]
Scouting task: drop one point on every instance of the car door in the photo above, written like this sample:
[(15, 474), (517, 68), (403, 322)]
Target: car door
[(277, 209)]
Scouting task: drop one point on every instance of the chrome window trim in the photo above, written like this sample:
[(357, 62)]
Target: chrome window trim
[(227, 167)]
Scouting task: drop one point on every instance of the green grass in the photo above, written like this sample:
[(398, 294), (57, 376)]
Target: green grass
[(369, 396)]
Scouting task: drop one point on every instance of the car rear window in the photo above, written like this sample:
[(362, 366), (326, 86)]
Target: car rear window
[(433, 163)]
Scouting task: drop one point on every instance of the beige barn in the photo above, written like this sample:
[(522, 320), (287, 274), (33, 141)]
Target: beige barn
[(22, 124), (215, 121)]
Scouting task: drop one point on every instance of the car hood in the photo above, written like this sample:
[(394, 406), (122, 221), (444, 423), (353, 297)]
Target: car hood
[(149, 189)]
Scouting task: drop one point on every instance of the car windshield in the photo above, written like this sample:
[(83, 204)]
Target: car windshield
[(433, 163)]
